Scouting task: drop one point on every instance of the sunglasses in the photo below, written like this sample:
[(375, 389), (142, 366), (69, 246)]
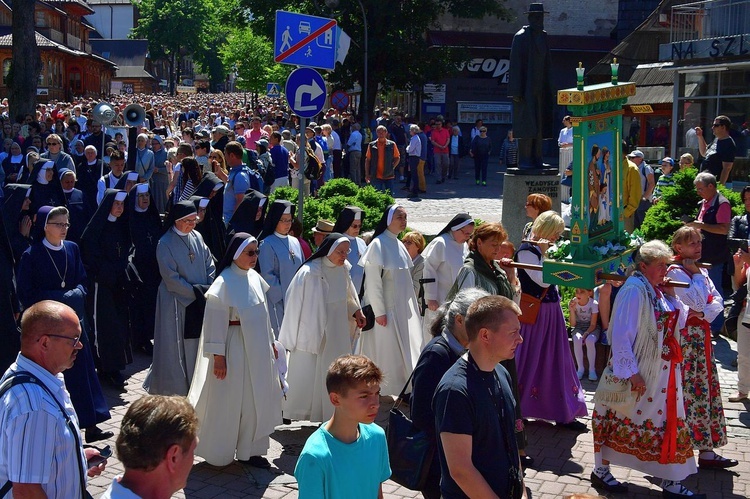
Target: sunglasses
[(252, 252)]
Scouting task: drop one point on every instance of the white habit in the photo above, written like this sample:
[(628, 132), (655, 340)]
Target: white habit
[(443, 258)]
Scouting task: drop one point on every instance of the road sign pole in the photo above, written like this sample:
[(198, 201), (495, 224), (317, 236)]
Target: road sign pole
[(301, 163)]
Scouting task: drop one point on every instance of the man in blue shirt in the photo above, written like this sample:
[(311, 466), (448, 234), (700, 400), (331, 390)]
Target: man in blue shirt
[(354, 152), (280, 157), (238, 181), (422, 158)]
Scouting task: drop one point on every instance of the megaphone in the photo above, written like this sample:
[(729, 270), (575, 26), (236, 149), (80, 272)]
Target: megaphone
[(134, 115), (104, 113)]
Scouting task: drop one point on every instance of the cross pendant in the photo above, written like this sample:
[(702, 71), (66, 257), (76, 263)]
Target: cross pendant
[(191, 255)]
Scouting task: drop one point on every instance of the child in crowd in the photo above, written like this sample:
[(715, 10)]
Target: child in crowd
[(347, 456), (584, 316), (666, 179)]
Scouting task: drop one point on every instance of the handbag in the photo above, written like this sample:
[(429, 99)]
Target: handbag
[(367, 310), (410, 450), (530, 306)]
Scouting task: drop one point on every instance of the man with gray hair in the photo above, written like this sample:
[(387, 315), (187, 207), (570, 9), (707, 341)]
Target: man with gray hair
[(714, 218)]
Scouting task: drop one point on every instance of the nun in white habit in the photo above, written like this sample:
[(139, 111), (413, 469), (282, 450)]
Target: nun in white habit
[(394, 343), (235, 389), (349, 224), (443, 258), (320, 304)]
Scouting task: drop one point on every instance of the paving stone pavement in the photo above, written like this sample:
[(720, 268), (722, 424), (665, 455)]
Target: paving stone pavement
[(564, 459)]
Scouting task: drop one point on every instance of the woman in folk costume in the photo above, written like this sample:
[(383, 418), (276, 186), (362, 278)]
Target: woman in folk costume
[(443, 258), (235, 389), (105, 247), (639, 414), (248, 217), (481, 270), (349, 224), (51, 269), (211, 223), (704, 411), (396, 339), (548, 385), (186, 266), (321, 302), (145, 230), (280, 259)]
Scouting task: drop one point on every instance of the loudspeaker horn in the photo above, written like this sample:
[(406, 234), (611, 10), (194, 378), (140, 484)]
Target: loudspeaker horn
[(134, 115), (104, 113)]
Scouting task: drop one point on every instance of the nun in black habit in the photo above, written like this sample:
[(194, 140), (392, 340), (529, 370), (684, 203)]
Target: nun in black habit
[(249, 215), (17, 218), (51, 269), (80, 211), (211, 225), (105, 246), (9, 304), (45, 186), (143, 271)]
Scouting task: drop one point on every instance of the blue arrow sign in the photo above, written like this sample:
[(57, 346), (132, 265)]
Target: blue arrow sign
[(273, 90), (306, 92), (302, 40)]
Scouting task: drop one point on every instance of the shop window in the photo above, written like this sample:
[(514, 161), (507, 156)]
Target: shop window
[(735, 82), (41, 19), (699, 84)]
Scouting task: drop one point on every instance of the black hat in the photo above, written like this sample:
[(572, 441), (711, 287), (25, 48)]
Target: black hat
[(347, 216), (243, 219), (277, 208), (333, 239), (458, 222), (384, 222), (536, 8)]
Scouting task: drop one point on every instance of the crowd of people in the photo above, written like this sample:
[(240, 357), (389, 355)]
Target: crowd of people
[(175, 251)]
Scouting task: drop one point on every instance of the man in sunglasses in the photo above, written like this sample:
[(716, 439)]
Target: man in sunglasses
[(719, 156), (40, 448)]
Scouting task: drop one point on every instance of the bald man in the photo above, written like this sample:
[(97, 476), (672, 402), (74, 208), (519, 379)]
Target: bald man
[(40, 446)]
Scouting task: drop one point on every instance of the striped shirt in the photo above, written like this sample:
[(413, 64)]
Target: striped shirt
[(36, 444)]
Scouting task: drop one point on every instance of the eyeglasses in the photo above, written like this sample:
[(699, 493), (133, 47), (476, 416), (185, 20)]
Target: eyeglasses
[(191, 221), (60, 225), (356, 226), (53, 143), (285, 220), (714, 125), (76, 339), (252, 252)]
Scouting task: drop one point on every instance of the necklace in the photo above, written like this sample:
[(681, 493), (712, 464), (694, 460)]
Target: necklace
[(62, 277), (191, 255)]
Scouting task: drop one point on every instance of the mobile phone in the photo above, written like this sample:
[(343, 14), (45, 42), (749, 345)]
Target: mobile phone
[(104, 453), (687, 219), (735, 244)]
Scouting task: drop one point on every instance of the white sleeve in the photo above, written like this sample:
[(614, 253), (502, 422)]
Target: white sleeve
[(526, 256), (623, 327)]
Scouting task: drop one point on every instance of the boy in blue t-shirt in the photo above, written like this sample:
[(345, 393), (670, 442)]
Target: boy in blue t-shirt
[(347, 456)]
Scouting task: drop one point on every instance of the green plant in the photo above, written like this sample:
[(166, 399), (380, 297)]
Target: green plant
[(681, 199)]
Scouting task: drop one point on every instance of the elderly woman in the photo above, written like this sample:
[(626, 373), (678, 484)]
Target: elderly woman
[(449, 342), (321, 303), (547, 380), (187, 268), (395, 340), (443, 258), (704, 412), (235, 388), (535, 204), (639, 397)]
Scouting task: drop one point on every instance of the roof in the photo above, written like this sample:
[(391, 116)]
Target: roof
[(504, 40), (652, 74), (80, 5), (108, 2), (658, 94), (123, 52), (133, 72), (44, 42)]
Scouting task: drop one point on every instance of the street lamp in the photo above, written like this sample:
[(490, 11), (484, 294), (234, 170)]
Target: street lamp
[(332, 4)]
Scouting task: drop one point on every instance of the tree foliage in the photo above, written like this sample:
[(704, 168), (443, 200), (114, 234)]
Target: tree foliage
[(664, 218), (399, 55), (251, 56)]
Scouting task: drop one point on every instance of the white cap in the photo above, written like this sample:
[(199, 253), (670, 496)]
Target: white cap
[(48, 165), (203, 202), (120, 196), (288, 210), (141, 188), (132, 177)]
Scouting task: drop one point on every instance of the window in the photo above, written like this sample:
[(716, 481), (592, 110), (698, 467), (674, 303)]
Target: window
[(6, 70)]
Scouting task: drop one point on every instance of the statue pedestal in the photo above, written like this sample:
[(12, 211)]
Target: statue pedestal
[(517, 186)]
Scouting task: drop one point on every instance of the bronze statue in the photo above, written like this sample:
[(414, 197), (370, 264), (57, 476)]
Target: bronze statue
[(530, 86)]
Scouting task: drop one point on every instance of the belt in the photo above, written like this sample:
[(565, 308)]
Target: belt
[(234, 323)]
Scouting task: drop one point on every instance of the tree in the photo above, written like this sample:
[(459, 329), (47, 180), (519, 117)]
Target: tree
[(26, 63), (252, 58), (173, 28), (399, 56)]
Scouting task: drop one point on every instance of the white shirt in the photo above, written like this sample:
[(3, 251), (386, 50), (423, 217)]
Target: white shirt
[(101, 186), (336, 140), (415, 146), (37, 444), (117, 491), (566, 136)]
